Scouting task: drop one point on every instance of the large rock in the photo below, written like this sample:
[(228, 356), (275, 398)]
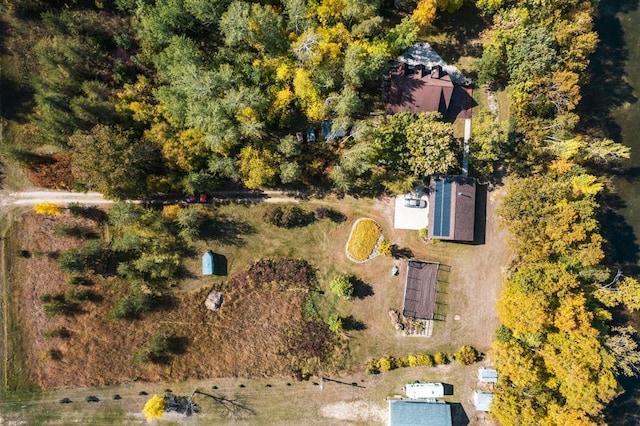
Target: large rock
[(214, 301)]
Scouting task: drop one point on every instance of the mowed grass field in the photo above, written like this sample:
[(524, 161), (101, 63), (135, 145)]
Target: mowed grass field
[(239, 236)]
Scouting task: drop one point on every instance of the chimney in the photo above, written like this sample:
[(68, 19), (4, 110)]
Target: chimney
[(436, 71)]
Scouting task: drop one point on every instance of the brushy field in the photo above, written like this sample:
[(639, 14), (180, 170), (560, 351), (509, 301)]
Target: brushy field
[(261, 330)]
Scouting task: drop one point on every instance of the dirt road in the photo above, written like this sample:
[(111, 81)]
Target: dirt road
[(29, 198)]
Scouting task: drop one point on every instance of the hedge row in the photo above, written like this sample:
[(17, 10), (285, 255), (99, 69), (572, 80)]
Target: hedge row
[(465, 355)]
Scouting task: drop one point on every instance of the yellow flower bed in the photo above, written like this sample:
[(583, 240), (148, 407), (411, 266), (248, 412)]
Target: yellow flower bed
[(363, 239)]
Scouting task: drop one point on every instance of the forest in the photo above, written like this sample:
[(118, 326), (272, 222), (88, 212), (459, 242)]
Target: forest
[(170, 96)]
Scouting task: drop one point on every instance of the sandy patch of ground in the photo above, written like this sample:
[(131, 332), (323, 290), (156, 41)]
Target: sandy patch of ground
[(355, 411)]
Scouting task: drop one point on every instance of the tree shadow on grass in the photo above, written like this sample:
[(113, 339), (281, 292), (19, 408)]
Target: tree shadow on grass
[(401, 252), (177, 345), (361, 289), (226, 230), (351, 324)]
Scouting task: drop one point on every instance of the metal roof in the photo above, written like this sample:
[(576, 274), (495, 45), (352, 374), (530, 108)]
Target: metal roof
[(452, 203), (487, 375), (207, 263), (419, 413), (482, 400)]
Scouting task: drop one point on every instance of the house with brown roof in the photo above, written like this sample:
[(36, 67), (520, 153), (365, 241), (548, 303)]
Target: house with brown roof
[(420, 83), (452, 206)]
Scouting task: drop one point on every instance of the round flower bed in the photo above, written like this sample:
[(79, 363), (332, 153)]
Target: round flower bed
[(364, 238)]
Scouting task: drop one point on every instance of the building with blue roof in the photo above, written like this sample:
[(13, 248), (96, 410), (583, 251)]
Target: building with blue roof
[(208, 264), (419, 413)]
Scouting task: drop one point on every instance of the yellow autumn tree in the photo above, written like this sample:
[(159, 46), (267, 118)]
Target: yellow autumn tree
[(425, 12), (257, 167), (154, 408), (46, 208), (308, 95)]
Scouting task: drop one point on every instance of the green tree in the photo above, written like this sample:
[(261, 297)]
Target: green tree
[(189, 220), (430, 145), (111, 161), (341, 285)]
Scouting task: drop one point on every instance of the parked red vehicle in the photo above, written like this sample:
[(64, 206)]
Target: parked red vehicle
[(198, 197)]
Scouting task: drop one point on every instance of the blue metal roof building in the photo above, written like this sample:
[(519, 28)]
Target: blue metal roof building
[(452, 202), (208, 264), (419, 413)]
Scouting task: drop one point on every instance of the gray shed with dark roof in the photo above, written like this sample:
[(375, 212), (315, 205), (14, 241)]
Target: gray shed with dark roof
[(419, 413), (452, 204)]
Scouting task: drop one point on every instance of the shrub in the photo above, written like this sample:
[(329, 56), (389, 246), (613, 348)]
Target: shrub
[(322, 213), (78, 280), (141, 357), (342, 286), (58, 304), (386, 363), (335, 324), (47, 208), (412, 360), (425, 359), (372, 367), (60, 332), (159, 345), (52, 172), (424, 233), (384, 248), (363, 239), (154, 408), (79, 295), (288, 216), (439, 358), (125, 308), (466, 355), (403, 362)]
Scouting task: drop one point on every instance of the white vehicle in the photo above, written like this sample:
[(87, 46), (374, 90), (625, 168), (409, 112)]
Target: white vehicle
[(424, 390)]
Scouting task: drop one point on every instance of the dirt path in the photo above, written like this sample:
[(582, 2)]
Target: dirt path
[(29, 198)]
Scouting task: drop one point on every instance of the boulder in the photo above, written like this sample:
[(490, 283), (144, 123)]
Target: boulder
[(214, 301)]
